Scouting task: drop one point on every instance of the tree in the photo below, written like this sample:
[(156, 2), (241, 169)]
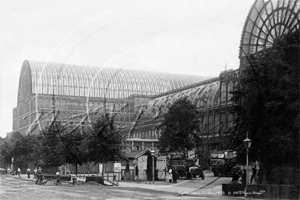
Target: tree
[(102, 141), (6, 149), (24, 149), (73, 140), (267, 100), (180, 127), (53, 147)]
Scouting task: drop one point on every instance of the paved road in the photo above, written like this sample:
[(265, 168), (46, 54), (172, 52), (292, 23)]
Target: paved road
[(22, 188)]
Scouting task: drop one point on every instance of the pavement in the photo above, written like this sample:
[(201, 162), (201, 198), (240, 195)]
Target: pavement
[(180, 188)]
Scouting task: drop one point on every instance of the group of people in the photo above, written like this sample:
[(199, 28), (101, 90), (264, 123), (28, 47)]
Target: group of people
[(173, 175), (256, 176)]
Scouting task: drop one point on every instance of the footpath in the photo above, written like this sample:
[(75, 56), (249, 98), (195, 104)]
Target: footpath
[(182, 187)]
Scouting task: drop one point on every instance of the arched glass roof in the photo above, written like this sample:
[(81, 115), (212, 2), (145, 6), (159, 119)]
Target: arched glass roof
[(204, 96), (267, 21), (74, 80)]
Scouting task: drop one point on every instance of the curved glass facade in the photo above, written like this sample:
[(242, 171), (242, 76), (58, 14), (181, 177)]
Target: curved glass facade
[(266, 21), (204, 96), (83, 81)]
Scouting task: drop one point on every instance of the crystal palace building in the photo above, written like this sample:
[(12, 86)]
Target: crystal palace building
[(139, 98)]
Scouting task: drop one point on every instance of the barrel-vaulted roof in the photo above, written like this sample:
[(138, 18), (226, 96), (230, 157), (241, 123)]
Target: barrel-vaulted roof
[(203, 96), (74, 80)]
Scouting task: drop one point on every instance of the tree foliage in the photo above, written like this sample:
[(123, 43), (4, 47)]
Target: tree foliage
[(103, 142), (180, 127), (267, 100), (53, 147), (24, 149)]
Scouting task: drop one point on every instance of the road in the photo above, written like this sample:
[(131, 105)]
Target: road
[(15, 188)]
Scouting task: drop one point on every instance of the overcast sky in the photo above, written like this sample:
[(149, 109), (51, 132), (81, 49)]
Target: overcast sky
[(178, 36)]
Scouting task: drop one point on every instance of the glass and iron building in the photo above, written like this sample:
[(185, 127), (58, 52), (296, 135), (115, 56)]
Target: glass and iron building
[(141, 98), (267, 21), (73, 90)]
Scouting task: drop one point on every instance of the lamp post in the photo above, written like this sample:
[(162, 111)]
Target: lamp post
[(152, 154), (247, 143), (12, 164)]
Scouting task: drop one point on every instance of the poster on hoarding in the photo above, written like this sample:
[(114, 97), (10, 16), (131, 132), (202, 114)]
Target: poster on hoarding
[(117, 167)]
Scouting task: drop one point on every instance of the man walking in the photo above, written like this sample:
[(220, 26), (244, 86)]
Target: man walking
[(39, 176), (19, 172), (34, 172), (253, 176), (28, 172)]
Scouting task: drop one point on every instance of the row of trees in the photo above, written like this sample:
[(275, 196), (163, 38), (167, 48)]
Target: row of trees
[(59, 144)]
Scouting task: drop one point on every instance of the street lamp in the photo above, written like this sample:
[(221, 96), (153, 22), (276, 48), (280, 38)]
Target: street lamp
[(152, 150), (12, 164), (247, 143)]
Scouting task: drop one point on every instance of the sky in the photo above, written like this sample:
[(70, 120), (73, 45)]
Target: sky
[(198, 37)]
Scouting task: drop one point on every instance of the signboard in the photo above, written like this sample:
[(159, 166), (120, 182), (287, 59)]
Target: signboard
[(191, 154), (117, 167), (176, 155), (220, 155)]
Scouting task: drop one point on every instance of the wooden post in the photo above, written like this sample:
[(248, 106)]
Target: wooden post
[(113, 178)]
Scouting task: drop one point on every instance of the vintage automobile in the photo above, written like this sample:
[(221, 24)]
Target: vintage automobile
[(185, 167), (196, 171)]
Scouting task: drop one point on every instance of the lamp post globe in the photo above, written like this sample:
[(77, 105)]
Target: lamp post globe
[(247, 142)]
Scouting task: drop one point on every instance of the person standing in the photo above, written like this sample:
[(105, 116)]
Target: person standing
[(137, 173), (235, 176), (19, 172), (244, 175), (28, 172), (34, 172), (8, 170), (58, 178), (253, 176), (170, 175), (174, 176)]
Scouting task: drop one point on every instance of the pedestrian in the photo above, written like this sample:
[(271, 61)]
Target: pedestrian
[(259, 177), (137, 173), (19, 172), (58, 178), (175, 175), (170, 175), (8, 170), (34, 172), (244, 177), (39, 176), (235, 176), (28, 172), (253, 176)]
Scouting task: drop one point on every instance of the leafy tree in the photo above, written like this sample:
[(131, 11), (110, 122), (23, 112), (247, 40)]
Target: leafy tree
[(267, 108), (72, 139), (24, 149), (6, 148), (180, 127), (102, 141), (52, 145)]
